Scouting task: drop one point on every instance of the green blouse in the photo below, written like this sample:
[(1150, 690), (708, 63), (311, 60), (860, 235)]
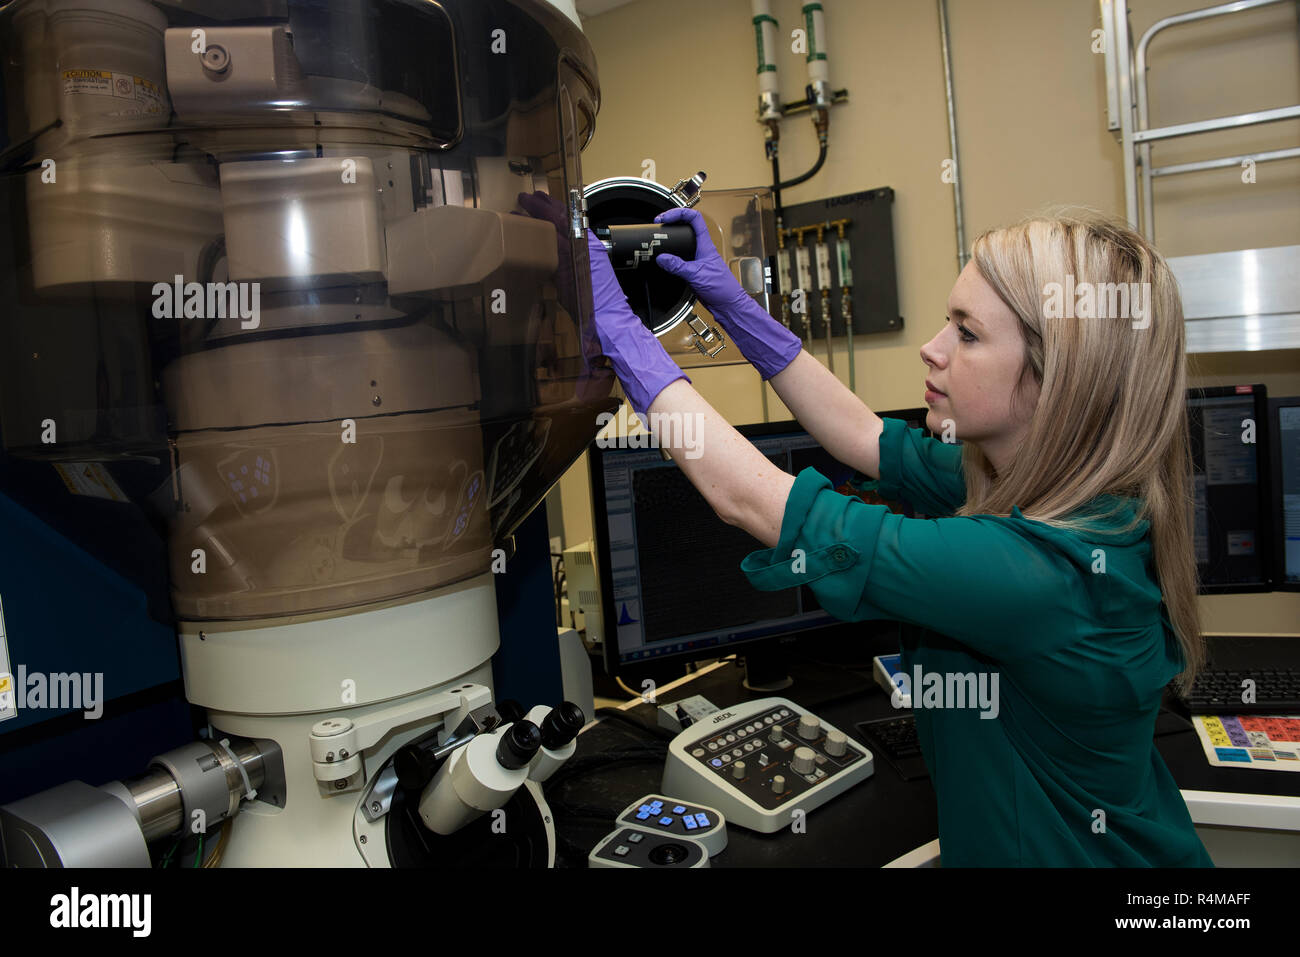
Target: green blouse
[(1042, 655)]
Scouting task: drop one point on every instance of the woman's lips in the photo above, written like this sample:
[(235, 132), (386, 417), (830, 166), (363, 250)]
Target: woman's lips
[(931, 393)]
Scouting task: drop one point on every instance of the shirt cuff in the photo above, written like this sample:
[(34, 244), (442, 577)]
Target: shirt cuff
[(828, 542)]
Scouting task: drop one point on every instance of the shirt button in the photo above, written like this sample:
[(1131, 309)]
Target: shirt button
[(839, 555)]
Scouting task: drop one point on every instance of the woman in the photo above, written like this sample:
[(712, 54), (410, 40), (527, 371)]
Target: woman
[(1061, 574)]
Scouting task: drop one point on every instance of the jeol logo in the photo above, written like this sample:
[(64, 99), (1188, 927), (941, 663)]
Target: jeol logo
[(1105, 300), (213, 300), (58, 691), (102, 910)]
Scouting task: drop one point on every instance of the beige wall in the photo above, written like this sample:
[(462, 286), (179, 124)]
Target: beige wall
[(677, 86)]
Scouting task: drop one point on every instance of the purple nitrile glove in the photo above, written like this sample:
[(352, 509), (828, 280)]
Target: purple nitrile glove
[(640, 361), (594, 383), (766, 343)]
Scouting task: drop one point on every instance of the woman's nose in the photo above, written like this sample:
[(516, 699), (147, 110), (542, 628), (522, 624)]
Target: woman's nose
[(930, 353)]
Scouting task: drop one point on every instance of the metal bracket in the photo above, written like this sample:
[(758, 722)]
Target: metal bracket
[(705, 336), (687, 191)]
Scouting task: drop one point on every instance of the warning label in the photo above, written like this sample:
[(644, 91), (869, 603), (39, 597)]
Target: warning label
[(143, 96), (90, 478)]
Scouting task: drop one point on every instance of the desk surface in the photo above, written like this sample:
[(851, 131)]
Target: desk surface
[(870, 825)]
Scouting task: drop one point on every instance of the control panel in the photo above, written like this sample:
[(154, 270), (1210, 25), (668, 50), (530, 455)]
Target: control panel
[(665, 815), (759, 761), (637, 847)]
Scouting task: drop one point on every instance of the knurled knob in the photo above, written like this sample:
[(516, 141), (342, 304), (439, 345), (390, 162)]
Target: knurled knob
[(738, 770), (810, 727), (778, 784), (804, 761), (778, 734), (836, 743)]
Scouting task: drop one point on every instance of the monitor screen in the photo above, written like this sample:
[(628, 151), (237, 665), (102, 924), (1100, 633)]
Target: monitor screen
[(1231, 534), (669, 568), (1284, 429)]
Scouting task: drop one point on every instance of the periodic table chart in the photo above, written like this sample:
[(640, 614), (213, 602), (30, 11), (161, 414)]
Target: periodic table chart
[(1269, 741)]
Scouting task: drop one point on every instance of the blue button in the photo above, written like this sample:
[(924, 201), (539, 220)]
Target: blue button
[(716, 762), (702, 820), (656, 805), (679, 810), (642, 815), (644, 807), (690, 823), (666, 821)]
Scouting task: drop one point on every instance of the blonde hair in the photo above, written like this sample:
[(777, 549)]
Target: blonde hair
[(1111, 414)]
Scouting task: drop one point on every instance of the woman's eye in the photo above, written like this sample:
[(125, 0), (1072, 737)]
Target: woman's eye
[(966, 335)]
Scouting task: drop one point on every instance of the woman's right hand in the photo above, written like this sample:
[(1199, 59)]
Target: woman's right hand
[(768, 345), (707, 273)]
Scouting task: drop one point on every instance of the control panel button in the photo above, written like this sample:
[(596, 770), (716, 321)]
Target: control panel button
[(836, 743), (697, 752), (810, 727), (778, 733), (778, 784), (738, 770), (636, 837), (622, 850)]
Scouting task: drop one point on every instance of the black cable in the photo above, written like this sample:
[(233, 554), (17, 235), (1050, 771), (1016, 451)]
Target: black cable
[(619, 715), (821, 159)]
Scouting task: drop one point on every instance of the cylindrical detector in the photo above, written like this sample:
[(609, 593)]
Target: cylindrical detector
[(765, 37), (815, 23), (470, 782), (634, 244)]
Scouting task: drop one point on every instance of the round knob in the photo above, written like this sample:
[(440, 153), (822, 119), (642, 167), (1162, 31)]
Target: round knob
[(519, 743), (778, 784), (777, 733), (809, 727), (804, 761), (738, 770), (836, 743)]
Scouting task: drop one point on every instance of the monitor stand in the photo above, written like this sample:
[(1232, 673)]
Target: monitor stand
[(765, 670)]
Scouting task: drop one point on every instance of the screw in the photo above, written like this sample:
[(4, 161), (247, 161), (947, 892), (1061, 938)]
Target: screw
[(363, 839), (340, 785), (375, 807)]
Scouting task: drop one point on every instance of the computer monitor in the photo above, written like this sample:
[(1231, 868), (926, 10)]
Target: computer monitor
[(1232, 537), (1284, 440), (669, 569)]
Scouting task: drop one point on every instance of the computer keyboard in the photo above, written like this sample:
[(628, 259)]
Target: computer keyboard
[(1277, 691), (896, 739)]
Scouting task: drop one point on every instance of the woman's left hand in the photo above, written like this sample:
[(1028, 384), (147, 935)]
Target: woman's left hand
[(640, 361)]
